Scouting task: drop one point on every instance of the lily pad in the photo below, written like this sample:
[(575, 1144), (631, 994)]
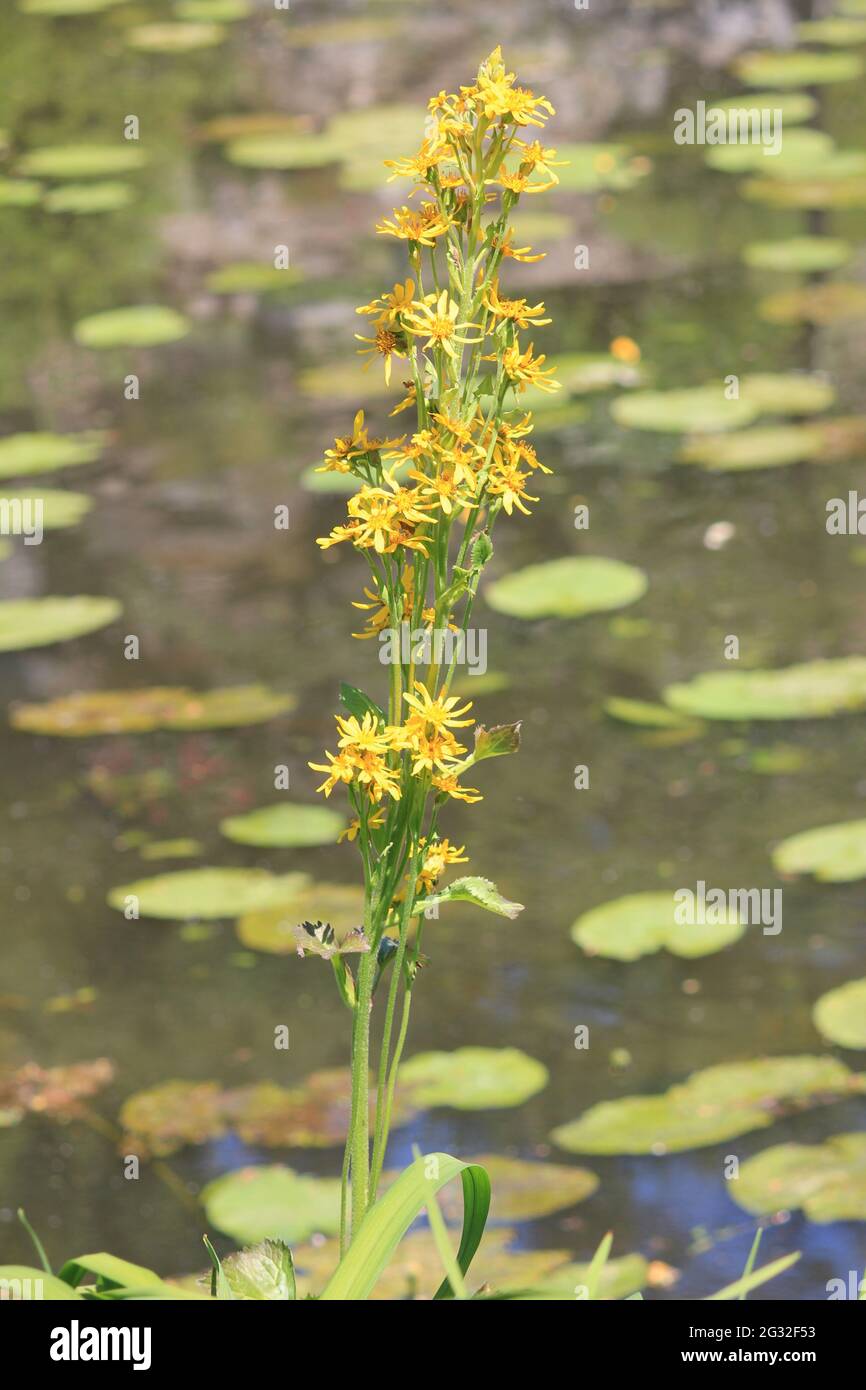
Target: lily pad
[(162, 1119), (799, 68), (798, 254), (788, 393), (813, 690), (801, 152), (833, 853), (252, 277), (830, 302), (840, 1015), (62, 8), (152, 707), (695, 408), (283, 151), (473, 1078), (217, 11), (840, 184), (206, 893), (57, 509), (286, 826), (22, 454), (272, 927), (82, 161), (648, 715), (523, 1190), (31, 1089), (144, 325), (795, 107), (86, 198), (569, 587), (834, 31), (642, 923), (765, 446), (827, 1180), (233, 127), (38, 622), (273, 1202), (19, 193), (711, 1106), (583, 372), (176, 37)]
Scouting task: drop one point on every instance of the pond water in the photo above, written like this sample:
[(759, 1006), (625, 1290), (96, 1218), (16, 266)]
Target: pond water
[(182, 534)]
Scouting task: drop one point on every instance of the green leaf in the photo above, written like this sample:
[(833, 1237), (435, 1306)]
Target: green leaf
[(111, 1272), (263, 1272), (22, 1282), (833, 853), (359, 704), (748, 1282), (285, 826), (840, 1014), (479, 891), (569, 587), (390, 1218), (496, 741), (473, 1078)]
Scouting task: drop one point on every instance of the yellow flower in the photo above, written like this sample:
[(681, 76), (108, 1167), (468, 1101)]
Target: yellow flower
[(495, 95), (436, 860), (380, 613), (524, 254), (448, 785), (524, 370), (374, 821), (352, 446), (444, 489), (381, 520), (436, 320), (421, 226), (437, 711), (420, 165), (516, 311), (507, 481), (388, 307), (386, 345), (364, 747)]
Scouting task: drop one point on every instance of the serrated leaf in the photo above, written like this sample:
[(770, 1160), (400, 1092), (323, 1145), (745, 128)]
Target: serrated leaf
[(496, 741), (261, 1272), (479, 891)]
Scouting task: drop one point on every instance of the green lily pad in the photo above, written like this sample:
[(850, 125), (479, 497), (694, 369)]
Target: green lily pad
[(206, 893), (163, 1118), (473, 1078), (695, 408), (19, 193), (61, 8), (840, 184), (798, 254), (252, 277), (711, 1106), (787, 393), (38, 622), (569, 587), (829, 302), (377, 129), (183, 848), (765, 446), (272, 927), (86, 198), (143, 325), (642, 923), (523, 1190), (273, 1202), (840, 1015), (796, 69), (795, 107), (217, 11), (58, 509), (801, 151), (232, 127), (833, 853), (151, 707), (22, 454), (286, 826), (813, 690), (648, 715), (282, 151), (583, 372), (835, 31), (174, 37), (827, 1180), (594, 167), (70, 162)]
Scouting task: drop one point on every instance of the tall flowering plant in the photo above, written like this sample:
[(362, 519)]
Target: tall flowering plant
[(422, 517)]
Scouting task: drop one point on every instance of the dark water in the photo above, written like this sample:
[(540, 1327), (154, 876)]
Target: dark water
[(182, 533)]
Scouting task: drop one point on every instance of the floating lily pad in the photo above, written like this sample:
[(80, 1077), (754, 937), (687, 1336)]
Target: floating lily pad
[(272, 927), (711, 1106), (286, 826), (827, 1180), (840, 184), (252, 277), (175, 37), (796, 69), (813, 690), (696, 408), (183, 848), (38, 622), (31, 1089), (642, 923), (164, 1118), (834, 31), (82, 161), (798, 254), (22, 454), (473, 1078), (61, 8), (583, 372), (377, 129), (286, 151), (787, 393), (794, 107), (57, 509), (766, 446), (648, 715), (233, 127), (19, 193), (206, 893), (831, 302), (152, 707), (523, 1190), (593, 167), (840, 1014), (87, 198), (842, 437), (567, 588), (833, 853), (801, 151), (143, 325), (217, 11), (272, 1202)]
